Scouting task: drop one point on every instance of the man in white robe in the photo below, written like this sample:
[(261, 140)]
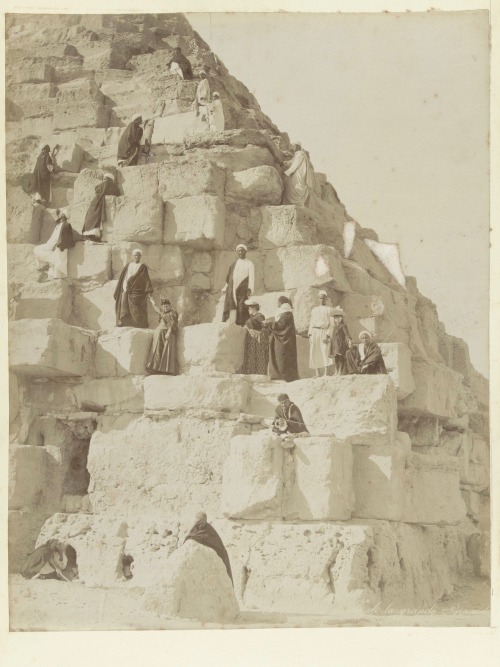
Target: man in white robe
[(299, 179), (238, 288), (202, 98), (320, 333), (216, 114)]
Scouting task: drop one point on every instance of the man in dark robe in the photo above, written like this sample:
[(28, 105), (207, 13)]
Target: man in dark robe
[(288, 418), (129, 144), (37, 559), (283, 343), (238, 288), (180, 65), (365, 358), (96, 213), (41, 174), (131, 293), (203, 533)]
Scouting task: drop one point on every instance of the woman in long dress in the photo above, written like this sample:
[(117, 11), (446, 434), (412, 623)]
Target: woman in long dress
[(282, 343), (256, 357), (162, 358), (41, 174), (55, 251)]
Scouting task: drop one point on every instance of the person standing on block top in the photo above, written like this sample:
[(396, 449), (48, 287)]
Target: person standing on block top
[(131, 293), (180, 65), (129, 144), (162, 358), (341, 341), (238, 288), (54, 252), (41, 175), (256, 356), (202, 97), (96, 214), (216, 120), (320, 334), (288, 418), (203, 533), (283, 343), (365, 358)]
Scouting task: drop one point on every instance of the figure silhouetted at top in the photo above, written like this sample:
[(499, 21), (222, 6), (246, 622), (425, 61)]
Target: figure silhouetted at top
[(131, 293), (129, 144), (238, 288), (180, 65), (203, 533)]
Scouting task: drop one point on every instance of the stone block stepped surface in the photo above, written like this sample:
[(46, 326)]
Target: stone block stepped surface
[(387, 500)]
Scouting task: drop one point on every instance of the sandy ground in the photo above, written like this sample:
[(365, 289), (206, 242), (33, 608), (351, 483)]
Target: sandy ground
[(54, 605)]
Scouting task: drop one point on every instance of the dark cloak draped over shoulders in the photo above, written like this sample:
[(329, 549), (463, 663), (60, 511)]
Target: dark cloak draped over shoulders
[(37, 559), (255, 322), (131, 306), (129, 140), (283, 349), (66, 239), (293, 417), (373, 362), (184, 64), (41, 176), (205, 534), (96, 213)]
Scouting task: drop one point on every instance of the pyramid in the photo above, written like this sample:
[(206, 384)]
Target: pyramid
[(386, 502)]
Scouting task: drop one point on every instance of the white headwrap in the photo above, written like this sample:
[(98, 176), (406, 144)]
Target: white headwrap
[(241, 245), (284, 308), (136, 116), (108, 174), (322, 293), (137, 250), (365, 332)]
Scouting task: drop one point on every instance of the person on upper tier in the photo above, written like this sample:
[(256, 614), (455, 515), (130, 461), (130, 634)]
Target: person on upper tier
[(365, 358), (134, 286), (341, 341), (216, 120), (256, 357), (288, 418), (54, 252), (129, 144), (238, 288), (203, 533), (283, 343), (180, 65), (162, 359), (299, 178), (202, 97), (320, 334), (41, 175), (96, 214)]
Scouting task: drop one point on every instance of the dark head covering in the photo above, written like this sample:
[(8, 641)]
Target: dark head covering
[(284, 299), (283, 397)]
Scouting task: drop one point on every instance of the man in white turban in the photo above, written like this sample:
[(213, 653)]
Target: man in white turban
[(238, 288), (299, 179), (320, 334), (131, 294)]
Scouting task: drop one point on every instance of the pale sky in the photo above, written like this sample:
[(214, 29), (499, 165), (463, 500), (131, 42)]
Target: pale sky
[(394, 109)]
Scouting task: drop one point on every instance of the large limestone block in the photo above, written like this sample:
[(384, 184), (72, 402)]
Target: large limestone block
[(424, 430), (123, 351), (35, 481), (183, 177), (252, 482), (361, 409), (48, 348), (218, 346), (24, 220), (285, 225), (397, 359), (41, 300), (303, 266), (30, 70), (115, 394), (436, 392), (79, 91), (256, 187), (176, 127), (322, 481), (157, 467), (479, 551), (13, 397), (193, 584), (239, 159), (184, 392), (69, 157), (166, 263), (477, 475), (80, 114), (379, 478), (90, 261), (32, 91), (432, 490), (94, 308), (140, 181), (197, 221), (24, 528), (138, 220)]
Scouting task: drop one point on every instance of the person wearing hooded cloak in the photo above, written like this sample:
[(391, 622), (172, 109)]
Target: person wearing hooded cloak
[(96, 214), (365, 358), (55, 251), (238, 288), (41, 174), (45, 560), (180, 65), (134, 286), (299, 179), (203, 533), (288, 418), (129, 144), (283, 343)]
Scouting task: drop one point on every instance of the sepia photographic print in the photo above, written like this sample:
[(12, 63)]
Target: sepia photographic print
[(248, 311)]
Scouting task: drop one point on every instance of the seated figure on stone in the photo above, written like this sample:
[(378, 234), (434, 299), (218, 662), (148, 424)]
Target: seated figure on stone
[(283, 343), (131, 293), (54, 252), (202, 97), (288, 418), (238, 288), (129, 144), (256, 356), (365, 358), (320, 335), (162, 359), (180, 65), (47, 561), (340, 342), (299, 178), (216, 120), (203, 533), (96, 213)]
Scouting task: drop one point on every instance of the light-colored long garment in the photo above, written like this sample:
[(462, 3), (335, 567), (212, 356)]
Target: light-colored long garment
[(132, 269), (47, 253), (320, 326), (243, 268), (203, 92), (175, 68), (299, 180), (216, 116)]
